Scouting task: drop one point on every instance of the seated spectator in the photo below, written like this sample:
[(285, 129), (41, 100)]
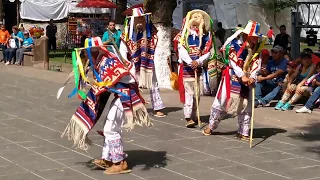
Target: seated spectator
[(14, 44), (26, 46), (296, 86), (315, 58), (290, 69), (315, 95), (4, 38), (265, 57), (273, 74)]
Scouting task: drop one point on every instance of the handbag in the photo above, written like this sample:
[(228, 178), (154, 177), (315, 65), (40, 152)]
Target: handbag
[(12, 43)]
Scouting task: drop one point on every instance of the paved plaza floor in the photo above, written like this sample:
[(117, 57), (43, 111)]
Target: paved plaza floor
[(287, 145)]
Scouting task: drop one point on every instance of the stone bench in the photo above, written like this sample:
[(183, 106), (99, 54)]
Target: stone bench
[(28, 59)]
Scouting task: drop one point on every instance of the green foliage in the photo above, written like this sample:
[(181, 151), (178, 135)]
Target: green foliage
[(279, 5)]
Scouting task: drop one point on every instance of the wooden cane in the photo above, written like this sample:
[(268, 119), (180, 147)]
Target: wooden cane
[(252, 114), (197, 96)]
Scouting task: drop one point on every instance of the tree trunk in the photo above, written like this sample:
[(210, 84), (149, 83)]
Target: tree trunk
[(122, 6), (162, 11), (1, 11)]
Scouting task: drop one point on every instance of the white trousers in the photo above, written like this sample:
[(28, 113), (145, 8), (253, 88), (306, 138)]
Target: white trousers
[(113, 147)]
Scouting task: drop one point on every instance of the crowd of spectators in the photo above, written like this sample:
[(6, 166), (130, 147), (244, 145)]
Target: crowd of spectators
[(13, 46), (291, 80)]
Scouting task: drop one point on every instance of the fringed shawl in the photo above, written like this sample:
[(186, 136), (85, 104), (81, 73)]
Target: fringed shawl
[(88, 113), (141, 51)]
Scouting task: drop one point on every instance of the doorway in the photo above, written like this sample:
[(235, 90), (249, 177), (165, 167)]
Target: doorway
[(10, 14)]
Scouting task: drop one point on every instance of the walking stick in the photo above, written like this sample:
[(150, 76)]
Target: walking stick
[(197, 96), (252, 114)]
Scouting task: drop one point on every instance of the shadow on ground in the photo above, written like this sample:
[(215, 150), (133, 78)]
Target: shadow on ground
[(167, 110), (309, 133), (144, 158)]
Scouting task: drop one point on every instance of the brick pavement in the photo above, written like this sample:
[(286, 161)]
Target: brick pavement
[(31, 122)]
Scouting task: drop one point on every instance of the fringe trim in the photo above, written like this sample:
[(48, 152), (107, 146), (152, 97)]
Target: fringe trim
[(76, 132), (145, 80), (139, 116)]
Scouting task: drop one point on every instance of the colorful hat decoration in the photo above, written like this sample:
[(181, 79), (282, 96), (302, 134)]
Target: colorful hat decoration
[(251, 29), (136, 12)]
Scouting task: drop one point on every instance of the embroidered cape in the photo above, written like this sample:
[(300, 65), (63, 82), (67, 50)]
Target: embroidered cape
[(141, 51), (108, 69)]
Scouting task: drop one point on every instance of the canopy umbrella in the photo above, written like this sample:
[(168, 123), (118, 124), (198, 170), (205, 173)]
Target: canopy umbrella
[(96, 4), (128, 12)]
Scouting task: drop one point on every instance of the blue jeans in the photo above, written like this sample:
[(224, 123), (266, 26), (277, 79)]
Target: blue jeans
[(10, 53), (269, 87), (3, 48), (312, 99)]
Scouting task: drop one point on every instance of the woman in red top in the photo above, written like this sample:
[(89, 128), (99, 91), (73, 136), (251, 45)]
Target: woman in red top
[(270, 35)]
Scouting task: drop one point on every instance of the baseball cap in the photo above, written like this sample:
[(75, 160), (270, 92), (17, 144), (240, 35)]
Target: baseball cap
[(277, 48), (292, 64), (25, 32), (265, 52)]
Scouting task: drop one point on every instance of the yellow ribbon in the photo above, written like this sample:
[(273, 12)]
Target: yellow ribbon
[(82, 68), (182, 38)]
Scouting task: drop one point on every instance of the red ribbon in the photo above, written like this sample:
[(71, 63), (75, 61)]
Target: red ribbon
[(225, 79), (181, 86)]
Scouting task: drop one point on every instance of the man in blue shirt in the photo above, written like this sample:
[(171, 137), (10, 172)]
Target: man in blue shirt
[(274, 73), (111, 32), (26, 46)]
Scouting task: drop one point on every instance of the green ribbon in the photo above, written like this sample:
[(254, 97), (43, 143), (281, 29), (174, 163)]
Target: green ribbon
[(226, 58), (76, 78)]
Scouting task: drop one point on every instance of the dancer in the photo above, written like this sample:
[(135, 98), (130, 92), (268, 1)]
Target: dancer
[(238, 79), (138, 43), (111, 75), (192, 44)]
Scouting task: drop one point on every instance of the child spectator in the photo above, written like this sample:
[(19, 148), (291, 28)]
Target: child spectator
[(296, 86), (265, 56), (4, 38), (315, 83), (270, 35), (290, 69)]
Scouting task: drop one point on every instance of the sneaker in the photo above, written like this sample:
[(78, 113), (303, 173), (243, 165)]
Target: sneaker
[(279, 105), (17, 63), (303, 110), (7, 63), (286, 107), (257, 103)]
